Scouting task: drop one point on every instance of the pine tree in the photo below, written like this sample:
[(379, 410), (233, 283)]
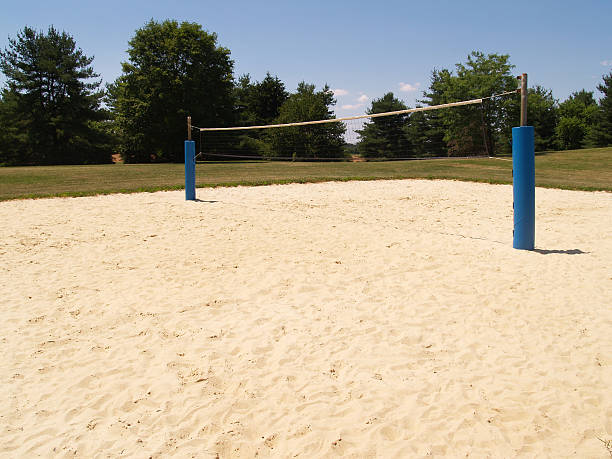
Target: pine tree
[(51, 107), (601, 134), (385, 136), (428, 138)]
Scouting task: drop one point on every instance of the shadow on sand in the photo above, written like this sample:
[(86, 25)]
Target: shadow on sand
[(565, 252)]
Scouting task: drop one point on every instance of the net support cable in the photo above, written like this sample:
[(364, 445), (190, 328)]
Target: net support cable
[(347, 118), (360, 117)]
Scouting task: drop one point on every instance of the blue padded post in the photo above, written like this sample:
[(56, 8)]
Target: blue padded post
[(523, 180), (190, 194)]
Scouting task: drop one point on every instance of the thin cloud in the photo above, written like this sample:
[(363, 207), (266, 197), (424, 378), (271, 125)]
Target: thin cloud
[(363, 98), (407, 87), (340, 92), (351, 106), (606, 63)]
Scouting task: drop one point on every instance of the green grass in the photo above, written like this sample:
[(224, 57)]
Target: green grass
[(589, 169)]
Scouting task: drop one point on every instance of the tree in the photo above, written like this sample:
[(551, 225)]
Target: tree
[(256, 104), (13, 137), (259, 102), (570, 132), (174, 70), (577, 115), (385, 136), (471, 129), (601, 133), (267, 99), (482, 76), (313, 141), (50, 110), (543, 115), (426, 130), (424, 135), (243, 94)]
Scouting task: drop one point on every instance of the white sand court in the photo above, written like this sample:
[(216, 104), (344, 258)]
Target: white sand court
[(358, 319)]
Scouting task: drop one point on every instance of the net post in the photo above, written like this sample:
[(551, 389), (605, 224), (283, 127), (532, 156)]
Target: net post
[(523, 78), (190, 163), (523, 184)]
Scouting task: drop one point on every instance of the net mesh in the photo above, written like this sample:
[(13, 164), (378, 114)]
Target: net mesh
[(451, 130)]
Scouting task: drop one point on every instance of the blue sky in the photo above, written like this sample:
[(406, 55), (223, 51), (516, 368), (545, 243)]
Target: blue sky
[(361, 49)]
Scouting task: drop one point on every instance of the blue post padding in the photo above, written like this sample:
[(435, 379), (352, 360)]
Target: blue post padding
[(523, 180), (190, 170)]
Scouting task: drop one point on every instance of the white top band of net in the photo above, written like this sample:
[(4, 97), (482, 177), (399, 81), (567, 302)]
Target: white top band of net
[(336, 120)]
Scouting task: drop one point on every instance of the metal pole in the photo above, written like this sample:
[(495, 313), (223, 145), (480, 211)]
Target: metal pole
[(189, 128), (524, 99)]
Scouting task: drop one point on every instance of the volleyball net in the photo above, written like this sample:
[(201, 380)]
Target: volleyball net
[(455, 129), (450, 130)]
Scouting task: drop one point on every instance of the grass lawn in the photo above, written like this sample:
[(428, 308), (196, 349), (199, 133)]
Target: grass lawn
[(589, 169)]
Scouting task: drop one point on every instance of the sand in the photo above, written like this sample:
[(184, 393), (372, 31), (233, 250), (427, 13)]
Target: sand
[(360, 319)]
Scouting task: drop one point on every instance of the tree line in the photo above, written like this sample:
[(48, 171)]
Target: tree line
[(55, 110), (578, 122)]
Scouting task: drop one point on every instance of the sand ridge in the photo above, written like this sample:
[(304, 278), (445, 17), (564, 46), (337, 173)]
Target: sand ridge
[(358, 319)]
